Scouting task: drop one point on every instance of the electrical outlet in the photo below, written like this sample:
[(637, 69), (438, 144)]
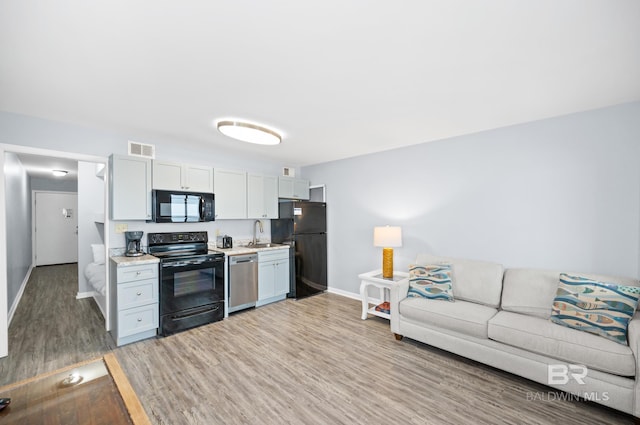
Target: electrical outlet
[(121, 227), (217, 232)]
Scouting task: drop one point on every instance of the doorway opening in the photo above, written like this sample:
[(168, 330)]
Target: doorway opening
[(19, 243)]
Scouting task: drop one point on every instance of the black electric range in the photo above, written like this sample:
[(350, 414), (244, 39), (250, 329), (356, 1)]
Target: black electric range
[(191, 280)]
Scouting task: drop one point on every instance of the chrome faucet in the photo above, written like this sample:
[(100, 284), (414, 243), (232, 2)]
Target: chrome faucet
[(259, 224)]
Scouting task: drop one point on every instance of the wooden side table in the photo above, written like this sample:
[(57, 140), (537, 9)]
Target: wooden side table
[(374, 278)]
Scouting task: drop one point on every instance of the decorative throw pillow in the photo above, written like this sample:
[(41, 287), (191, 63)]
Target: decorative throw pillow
[(98, 253), (600, 308), (430, 281)]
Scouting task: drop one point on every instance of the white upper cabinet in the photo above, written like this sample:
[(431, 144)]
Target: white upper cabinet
[(230, 189), (199, 179), (130, 187), (262, 196), (292, 188), (182, 177)]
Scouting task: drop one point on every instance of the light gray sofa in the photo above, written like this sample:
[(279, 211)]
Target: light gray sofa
[(501, 318)]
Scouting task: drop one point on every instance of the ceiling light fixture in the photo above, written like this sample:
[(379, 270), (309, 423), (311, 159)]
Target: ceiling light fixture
[(248, 132), (59, 173)]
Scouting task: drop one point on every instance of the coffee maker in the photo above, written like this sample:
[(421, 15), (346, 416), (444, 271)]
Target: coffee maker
[(132, 240)]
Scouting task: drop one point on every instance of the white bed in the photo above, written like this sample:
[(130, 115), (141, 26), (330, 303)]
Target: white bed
[(96, 275)]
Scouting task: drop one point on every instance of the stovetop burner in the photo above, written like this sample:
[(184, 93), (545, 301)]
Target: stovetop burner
[(171, 245)]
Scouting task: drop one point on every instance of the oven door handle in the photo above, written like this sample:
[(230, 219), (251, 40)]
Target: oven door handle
[(195, 312)]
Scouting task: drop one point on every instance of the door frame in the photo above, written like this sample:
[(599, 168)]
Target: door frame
[(33, 219), (18, 149)]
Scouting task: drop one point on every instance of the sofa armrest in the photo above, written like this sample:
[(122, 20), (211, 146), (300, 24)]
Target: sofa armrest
[(633, 336), (398, 292)]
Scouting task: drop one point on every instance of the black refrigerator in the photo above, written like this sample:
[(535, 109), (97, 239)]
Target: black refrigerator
[(303, 226)]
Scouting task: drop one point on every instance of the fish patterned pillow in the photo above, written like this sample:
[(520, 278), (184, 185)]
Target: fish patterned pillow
[(431, 281), (600, 308)]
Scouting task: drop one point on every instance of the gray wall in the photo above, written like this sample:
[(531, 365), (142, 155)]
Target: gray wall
[(54, 185), (562, 193), (24, 130), (19, 252)]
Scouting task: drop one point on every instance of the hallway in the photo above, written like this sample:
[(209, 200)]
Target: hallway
[(51, 328)]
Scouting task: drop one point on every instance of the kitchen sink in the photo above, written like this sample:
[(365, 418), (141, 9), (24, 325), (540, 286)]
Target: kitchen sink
[(262, 245)]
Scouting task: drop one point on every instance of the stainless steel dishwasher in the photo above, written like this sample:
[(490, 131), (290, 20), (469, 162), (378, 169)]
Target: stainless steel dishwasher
[(243, 281)]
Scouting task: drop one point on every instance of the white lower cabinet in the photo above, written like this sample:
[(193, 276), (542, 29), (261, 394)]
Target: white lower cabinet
[(273, 276), (134, 300)]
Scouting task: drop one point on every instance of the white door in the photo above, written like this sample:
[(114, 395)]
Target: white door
[(56, 228)]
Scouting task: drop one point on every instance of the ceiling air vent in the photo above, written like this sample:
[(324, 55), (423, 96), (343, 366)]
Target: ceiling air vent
[(288, 172), (141, 149)]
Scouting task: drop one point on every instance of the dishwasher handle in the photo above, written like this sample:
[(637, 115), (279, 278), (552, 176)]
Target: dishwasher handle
[(240, 259)]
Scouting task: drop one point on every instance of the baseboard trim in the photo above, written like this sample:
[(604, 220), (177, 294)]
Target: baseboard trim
[(344, 293), (352, 295), (14, 306), (81, 295)]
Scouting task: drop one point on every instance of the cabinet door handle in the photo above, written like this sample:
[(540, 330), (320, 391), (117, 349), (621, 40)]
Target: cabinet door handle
[(138, 273), (139, 293), (139, 319)]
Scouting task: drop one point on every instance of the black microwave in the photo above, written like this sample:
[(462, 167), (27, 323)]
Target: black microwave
[(182, 207)]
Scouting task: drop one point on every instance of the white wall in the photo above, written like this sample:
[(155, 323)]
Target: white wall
[(40, 133), (35, 132), (90, 204), (18, 228), (64, 184), (562, 193), (239, 230)]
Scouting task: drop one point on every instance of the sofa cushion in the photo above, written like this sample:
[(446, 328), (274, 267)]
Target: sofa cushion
[(430, 281), (531, 291), (462, 316), (600, 308), (475, 281), (546, 338)]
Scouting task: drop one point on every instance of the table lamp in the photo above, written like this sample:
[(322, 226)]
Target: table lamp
[(387, 237)]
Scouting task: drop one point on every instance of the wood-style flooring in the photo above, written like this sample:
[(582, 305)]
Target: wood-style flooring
[(314, 361), (51, 329)]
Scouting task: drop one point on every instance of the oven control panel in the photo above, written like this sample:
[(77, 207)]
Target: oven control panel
[(177, 238)]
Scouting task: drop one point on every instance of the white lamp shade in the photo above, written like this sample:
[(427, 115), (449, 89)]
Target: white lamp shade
[(387, 236)]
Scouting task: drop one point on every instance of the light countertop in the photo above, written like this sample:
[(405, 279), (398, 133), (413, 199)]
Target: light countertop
[(122, 260), (239, 250)]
